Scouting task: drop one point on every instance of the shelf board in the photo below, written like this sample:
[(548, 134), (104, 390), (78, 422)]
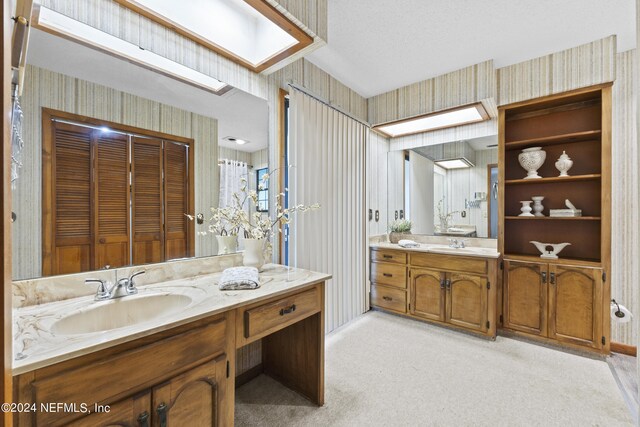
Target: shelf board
[(560, 260), (555, 218), (590, 177), (555, 139)]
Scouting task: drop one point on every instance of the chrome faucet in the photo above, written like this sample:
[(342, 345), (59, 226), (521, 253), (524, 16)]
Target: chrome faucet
[(125, 286), (457, 244)]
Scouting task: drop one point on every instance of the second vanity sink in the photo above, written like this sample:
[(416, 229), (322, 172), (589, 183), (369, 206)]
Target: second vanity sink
[(473, 251), (120, 312)]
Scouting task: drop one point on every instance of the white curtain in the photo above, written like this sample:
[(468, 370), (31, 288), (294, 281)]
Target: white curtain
[(327, 150), (231, 171)]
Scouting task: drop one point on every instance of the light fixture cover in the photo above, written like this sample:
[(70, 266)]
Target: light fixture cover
[(69, 28), (439, 120), (459, 163)]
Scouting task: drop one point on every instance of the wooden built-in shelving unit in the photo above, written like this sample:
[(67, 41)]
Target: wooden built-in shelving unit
[(563, 300)]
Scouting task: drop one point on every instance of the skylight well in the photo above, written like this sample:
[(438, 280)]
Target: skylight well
[(250, 32)]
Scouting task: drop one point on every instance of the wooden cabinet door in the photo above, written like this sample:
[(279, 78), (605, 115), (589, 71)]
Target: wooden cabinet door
[(111, 199), (525, 297), (147, 200), (467, 297), (135, 411), (427, 294), (193, 398), (176, 201), (575, 305)]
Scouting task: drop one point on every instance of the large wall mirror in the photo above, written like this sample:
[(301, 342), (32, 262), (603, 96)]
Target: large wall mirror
[(446, 189), (117, 154)]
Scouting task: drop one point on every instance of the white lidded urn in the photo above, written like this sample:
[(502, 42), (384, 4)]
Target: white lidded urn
[(564, 163)]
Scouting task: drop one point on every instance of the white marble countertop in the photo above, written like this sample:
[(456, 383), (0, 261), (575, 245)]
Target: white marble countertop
[(35, 346), (469, 251)]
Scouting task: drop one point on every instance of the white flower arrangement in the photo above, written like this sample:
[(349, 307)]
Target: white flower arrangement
[(233, 220)]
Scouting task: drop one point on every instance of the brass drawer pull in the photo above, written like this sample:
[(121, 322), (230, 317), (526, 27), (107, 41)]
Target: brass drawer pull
[(387, 256), (552, 278), (447, 283), (288, 310), (387, 275), (386, 298), (442, 283), (544, 276)]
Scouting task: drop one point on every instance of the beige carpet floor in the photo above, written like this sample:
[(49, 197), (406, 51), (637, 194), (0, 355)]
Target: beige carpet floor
[(383, 370)]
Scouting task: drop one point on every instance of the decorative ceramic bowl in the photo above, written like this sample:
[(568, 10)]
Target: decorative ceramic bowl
[(531, 159)]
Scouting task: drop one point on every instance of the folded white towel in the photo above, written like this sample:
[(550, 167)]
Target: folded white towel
[(405, 243), (239, 278)]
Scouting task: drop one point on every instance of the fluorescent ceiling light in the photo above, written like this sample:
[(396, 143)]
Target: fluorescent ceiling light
[(454, 163), (251, 32), (63, 26), (440, 120)]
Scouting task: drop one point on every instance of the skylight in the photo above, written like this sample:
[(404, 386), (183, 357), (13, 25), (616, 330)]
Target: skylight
[(250, 32), (61, 25), (440, 120)]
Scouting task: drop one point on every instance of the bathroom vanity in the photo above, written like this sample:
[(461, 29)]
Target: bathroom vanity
[(175, 369), (456, 287)]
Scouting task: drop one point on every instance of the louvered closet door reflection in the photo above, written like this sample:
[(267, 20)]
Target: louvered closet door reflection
[(176, 194), (111, 195), (70, 182), (147, 200)]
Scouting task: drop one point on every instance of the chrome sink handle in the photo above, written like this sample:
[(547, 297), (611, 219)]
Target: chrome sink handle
[(102, 292), (129, 284)]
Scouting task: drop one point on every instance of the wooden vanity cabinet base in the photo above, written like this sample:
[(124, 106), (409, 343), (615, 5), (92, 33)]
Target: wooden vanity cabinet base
[(454, 291)]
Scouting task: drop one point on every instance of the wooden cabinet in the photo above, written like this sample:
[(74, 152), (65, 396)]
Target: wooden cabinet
[(525, 297), (566, 300), (428, 294), (455, 290), (190, 399), (467, 297), (556, 301), (185, 369), (575, 305)]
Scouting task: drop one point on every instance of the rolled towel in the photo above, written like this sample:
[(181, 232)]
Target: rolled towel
[(239, 278), (408, 244)]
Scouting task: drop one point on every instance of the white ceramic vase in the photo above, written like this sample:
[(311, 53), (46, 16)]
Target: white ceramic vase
[(537, 205), (563, 164), (531, 159), (526, 208), (227, 244), (253, 255)]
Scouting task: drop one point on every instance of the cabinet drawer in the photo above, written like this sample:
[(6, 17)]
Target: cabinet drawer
[(389, 298), (389, 274), (449, 262), (389, 256), (129, 371), (275, 315)]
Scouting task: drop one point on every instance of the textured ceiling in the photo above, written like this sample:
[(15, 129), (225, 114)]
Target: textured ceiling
[(378, 45)]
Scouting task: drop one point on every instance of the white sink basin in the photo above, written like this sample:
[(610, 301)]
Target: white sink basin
[(120, 312), (473, 251)]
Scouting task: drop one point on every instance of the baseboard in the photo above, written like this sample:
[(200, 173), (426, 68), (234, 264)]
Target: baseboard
[(248, 375), (629, 350)]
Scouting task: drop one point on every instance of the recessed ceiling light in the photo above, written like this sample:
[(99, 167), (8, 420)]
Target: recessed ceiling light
[(236, 140), (454, 163), (61, 25), (439, 120)]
